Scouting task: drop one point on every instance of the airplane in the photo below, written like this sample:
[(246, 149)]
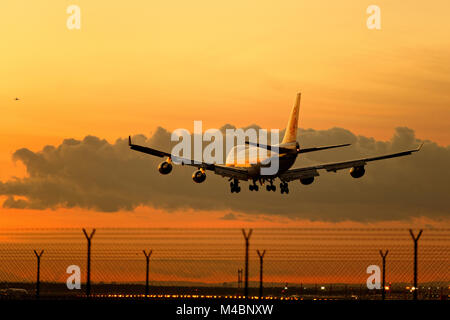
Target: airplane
[(286, 152)]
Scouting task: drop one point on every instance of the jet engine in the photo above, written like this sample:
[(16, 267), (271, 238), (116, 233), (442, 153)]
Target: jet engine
[(199, 176), (307, 181), (165, 167), (357, 172)]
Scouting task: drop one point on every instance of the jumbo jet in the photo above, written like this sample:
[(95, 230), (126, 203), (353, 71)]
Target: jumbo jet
[(286, 153)]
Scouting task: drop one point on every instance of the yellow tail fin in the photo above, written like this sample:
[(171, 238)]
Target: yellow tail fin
[(291, 129)]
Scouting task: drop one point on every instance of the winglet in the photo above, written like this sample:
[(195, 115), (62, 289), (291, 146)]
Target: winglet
[(420, 147), (129, 140)]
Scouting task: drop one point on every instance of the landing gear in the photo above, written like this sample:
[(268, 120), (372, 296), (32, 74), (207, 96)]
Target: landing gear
[(234, 186), (284, 188), (271, 187), (253, 186)]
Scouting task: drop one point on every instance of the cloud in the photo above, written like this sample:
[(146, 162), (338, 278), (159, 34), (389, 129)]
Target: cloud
[(229, 216), (98, 175), (10, 202)]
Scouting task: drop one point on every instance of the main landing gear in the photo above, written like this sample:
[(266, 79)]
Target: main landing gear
[(284, 188), (271, 187), (253, 186), (234, 186)]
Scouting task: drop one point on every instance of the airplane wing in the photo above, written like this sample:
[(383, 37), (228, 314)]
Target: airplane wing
[(310, 172), (147, 150), (224, 171), (230, 172), (322, 148)]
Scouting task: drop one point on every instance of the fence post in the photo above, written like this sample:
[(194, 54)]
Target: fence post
[(261, 258), (247, 238), (38, 277), (383, 289), (416, 240), (88, 275), (239, 282), (147, 259)]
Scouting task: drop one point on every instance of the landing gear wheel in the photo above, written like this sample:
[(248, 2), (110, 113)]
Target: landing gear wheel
[(271, 187), (284, 188), (234, 186)]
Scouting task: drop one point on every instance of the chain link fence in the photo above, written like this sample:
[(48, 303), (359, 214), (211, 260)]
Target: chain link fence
[(306, 263)]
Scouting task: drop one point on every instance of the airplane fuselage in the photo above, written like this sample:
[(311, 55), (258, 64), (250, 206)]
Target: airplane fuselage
[(252, 159)]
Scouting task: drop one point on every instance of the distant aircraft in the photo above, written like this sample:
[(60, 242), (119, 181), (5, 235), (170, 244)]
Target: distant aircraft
[(287, 152), (16, 99)]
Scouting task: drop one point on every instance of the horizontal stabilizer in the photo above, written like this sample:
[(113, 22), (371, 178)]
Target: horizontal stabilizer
[(269, 147), (322, 148)]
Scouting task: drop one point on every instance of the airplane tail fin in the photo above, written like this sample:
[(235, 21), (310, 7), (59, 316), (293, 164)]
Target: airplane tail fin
[(290, 135)]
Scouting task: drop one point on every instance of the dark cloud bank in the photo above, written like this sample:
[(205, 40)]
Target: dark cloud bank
[(97, 175)]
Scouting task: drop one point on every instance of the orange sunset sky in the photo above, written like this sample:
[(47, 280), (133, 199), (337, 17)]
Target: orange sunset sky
[(136, 65)]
